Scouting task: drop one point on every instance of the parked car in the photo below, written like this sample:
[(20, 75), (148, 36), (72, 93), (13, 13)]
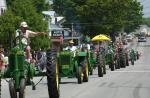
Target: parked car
[(141, 39)]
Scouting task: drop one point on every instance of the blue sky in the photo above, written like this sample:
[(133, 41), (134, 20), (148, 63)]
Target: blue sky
[(146, 7)]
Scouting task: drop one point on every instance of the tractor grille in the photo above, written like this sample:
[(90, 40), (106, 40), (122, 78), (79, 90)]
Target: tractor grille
[(65, 59)]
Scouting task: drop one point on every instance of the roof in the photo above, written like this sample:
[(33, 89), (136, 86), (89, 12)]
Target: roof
[(53, 19), (49, 13), (55, 27)]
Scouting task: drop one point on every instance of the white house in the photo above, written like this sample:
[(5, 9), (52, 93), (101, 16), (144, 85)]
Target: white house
[(55, 22), (2, 6)]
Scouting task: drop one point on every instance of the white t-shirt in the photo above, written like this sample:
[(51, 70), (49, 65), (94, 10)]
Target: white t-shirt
[(73, 48), (27, 34)]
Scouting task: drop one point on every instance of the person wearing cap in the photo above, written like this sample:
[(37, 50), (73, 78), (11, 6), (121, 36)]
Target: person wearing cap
[(27, 33), (71, 47), (2, 62)]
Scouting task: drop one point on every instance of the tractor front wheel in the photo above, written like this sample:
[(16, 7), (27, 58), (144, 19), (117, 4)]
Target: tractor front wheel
[(52, 74), (22, 88), (12, 90)]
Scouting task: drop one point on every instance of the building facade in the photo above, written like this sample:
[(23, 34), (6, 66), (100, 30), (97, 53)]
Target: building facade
[(2, 6)]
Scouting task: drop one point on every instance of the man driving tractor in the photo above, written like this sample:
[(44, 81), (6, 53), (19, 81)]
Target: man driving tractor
[(71, 47), (27, 33)]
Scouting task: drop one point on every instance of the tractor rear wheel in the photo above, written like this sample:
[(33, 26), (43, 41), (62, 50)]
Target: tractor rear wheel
[(122, 63), (132, 62), (85, 71), (127, 62), (137, 56), (22, 88), (90, 66), (104, 69), (112, 66), (91, 71), (100, 71), (12, 90), (52, 74), (79, 75)]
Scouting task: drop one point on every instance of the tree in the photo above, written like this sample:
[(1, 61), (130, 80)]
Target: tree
[(26, 11), (146, 21), (101, 16), (41, 5), (8, 24), (134, 16)]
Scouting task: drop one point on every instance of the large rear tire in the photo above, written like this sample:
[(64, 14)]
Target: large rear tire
[(22, 88), (91, 71), (80, 75), (52, 74), (85, 71), (100, 66), (122, 63), (104, 69), (112, 66), (137, 56), (12, 90), (118, 64), (90, 66), (127, 62), (100, 71), (132, 62)]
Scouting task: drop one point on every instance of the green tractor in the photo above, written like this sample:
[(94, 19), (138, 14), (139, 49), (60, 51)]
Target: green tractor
[(96, 58), (21, 72), (121, 58), (132, 56), (110, 58), (100, 62), (74, 65), (71, 63)]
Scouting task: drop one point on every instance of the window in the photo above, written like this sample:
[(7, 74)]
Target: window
[(2, 11)]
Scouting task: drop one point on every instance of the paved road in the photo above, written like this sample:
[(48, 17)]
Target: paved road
[(129, 82)]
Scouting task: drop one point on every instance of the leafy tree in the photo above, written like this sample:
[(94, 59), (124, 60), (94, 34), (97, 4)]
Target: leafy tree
[(101, 16), (8, 24), (146, 21), (26, 10), (134, 16), (41, 5)]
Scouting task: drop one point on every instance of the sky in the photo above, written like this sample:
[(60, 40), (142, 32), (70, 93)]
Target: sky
[(146, 7)]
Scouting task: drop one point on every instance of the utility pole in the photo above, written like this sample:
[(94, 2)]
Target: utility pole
[(72, 31)]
